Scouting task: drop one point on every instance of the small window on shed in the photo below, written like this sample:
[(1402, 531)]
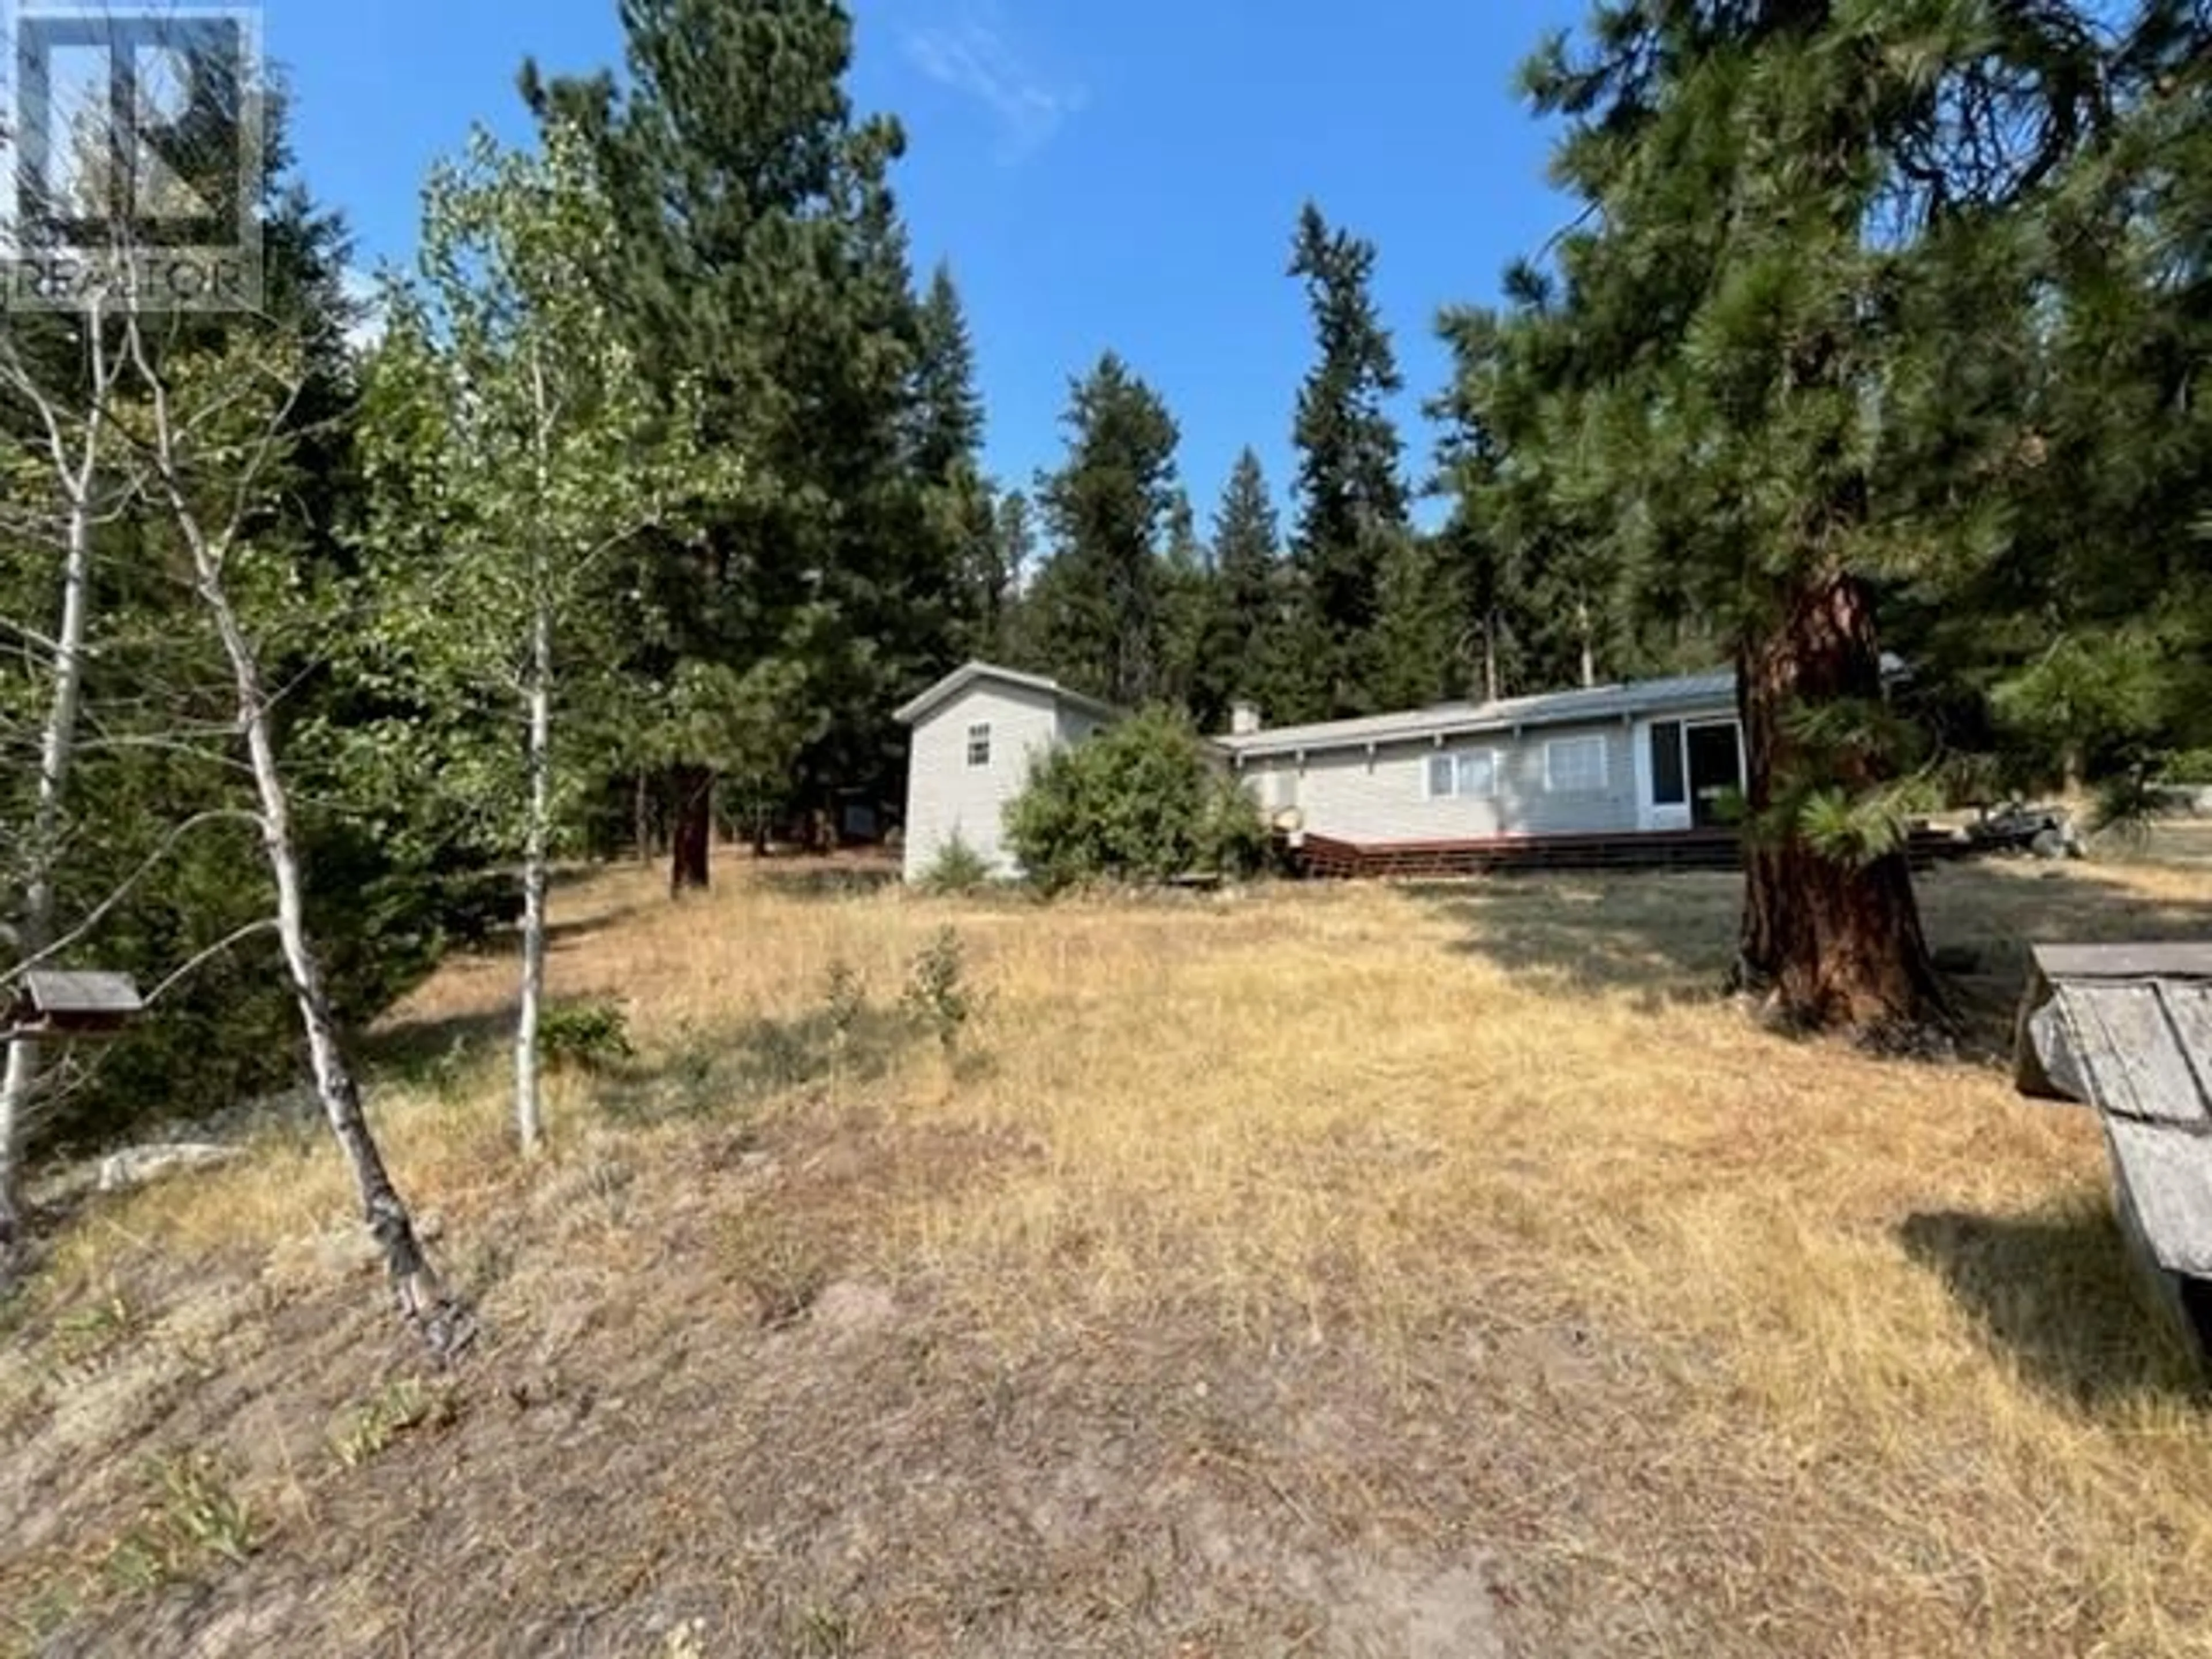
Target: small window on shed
[(1575, 766), (978, 745)]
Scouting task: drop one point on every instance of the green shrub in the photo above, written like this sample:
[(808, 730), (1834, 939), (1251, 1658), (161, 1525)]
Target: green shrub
[(587, 1035), (1138, 803), (958, 868), (938, 995)]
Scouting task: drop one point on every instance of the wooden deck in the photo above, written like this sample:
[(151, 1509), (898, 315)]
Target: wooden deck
[(1321, 857)]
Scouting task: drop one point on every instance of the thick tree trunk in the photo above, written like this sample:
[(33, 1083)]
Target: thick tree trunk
[(690, 867), (19, 1078), (1831, 943), (529, 1120), (445, 1325)]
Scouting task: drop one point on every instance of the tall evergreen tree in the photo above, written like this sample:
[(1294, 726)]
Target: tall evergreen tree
[(1351, 492), (760, 256), (1108, 507), (1190, 620), (947, 458), (1248, 612), (1781, 342)]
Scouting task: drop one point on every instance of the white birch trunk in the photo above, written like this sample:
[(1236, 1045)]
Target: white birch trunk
[(422, 1298), (445, 1323), (538, 693), (529, 1120), (57, 749), (1590, 654)]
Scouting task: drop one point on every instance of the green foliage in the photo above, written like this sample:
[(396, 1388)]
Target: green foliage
[(937, 994), (1138, 803), (958, 868), (589, 1037), (1351, 494), (758, 255), (370, 1426), (1096, 601), (192, 1518)]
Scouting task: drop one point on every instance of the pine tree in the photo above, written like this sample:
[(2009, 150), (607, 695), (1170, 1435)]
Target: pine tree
[(1417, 629), (1191, 612), (948, 412), (1352, 494), (947, 460), (1249, 589), (760, 257), (1098, 596), (1778, 346)]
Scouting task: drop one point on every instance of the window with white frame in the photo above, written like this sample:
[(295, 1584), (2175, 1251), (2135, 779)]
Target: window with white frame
[(978, 745), (1575, 766), (1463, 774)]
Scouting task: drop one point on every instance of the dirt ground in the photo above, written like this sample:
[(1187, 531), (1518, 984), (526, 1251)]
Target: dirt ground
[(1443, 1272)]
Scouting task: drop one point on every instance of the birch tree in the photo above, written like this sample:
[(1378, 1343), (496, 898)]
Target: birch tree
[(512, 450), (61, 487), (211, 434)]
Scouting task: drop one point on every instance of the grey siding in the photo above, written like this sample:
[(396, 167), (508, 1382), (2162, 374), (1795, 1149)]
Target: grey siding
[(1351, 795), (946, 796)]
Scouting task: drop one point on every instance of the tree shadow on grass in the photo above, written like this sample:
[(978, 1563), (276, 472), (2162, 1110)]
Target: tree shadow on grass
[(1669, 938), (2054, 1291), (432, 1052), (726, 1070), (843, 880), (1665, 937)]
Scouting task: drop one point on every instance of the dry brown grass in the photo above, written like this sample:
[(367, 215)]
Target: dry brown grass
[(1325, 1270)]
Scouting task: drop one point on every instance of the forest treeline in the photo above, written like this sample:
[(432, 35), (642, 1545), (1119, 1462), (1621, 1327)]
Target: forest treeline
[(658, 482)]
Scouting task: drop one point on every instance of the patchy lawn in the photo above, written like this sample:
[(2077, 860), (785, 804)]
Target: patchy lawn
[(1430, 1271)]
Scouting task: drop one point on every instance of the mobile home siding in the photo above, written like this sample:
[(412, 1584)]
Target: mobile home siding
[(946, 796), (1355, 796)]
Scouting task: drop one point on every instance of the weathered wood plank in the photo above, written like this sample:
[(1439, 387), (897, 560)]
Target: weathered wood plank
[(2131, 1053), (2167, 1177), (2170, 960), (2189, 1005)]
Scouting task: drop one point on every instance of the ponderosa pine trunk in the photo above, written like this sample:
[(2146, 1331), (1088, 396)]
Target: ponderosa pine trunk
[(690, 866), (1831, 943)]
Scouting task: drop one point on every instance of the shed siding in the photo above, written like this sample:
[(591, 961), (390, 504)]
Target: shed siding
[(946, 796), (1348, 795)]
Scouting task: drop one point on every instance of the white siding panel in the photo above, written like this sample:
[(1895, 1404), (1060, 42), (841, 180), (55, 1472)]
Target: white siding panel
[(1350, 795), (946, 796)]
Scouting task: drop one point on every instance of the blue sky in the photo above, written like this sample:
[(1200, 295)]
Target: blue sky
[(1122, 176)]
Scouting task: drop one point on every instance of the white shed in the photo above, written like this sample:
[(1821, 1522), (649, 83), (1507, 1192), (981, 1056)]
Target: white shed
[(976, 733)]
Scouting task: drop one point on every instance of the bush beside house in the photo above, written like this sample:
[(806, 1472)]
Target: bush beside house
[(1141, 803)]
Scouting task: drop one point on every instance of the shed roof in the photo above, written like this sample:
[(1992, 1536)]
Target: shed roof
[(919, 708), (1586, 706), (54, 991)]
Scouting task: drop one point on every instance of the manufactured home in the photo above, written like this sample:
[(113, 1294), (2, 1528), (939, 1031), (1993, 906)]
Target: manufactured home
[(1652, 757), (1617, 760)]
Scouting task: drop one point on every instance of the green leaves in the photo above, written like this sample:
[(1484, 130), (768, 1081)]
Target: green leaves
[(514, 457), (1138, 803)]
